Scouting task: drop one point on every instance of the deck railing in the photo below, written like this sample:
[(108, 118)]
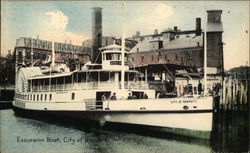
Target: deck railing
[(89, 86), (93, 104)]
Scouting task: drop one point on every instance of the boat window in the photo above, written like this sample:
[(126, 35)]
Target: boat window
[(82, 77), (60, 80), (108, 56), (104, 76), (68, 79), (92, 76), (73, 96), (116, 56), (133, 76), (113, 56), (50, 96)]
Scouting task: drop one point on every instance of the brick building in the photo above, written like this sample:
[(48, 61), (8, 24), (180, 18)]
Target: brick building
[(181, 48), (42, 49)]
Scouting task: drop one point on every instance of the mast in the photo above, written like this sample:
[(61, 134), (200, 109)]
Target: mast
[(205, 55), (31, 51), (122, 53), (53, 55), (122, 58)]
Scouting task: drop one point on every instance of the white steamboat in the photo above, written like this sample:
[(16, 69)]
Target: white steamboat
[(110, 93)]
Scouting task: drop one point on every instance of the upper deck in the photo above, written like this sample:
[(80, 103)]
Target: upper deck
[(97, 79)]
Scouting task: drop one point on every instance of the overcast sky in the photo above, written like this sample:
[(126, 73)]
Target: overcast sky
[(60, 21)]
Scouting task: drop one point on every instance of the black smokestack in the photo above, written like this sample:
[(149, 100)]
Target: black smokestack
[(96, 34), (198, 27)]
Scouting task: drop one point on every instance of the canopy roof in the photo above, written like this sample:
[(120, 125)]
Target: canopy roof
[(112, 47)]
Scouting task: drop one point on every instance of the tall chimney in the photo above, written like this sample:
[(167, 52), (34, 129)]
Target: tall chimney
[(96, 34), (198, 27), (137, 33), (175, 28), (155, 32)]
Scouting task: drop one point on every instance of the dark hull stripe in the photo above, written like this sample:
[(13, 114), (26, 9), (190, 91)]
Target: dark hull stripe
[(125, 111)]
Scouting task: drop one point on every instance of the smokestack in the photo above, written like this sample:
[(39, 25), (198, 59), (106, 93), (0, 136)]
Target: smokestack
[(137, 33), (198, 27), (96, 34), (175, 28), (155, 32)]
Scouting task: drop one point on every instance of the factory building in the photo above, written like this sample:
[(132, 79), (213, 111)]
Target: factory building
[(175, 58), (182, 48), (42, 50)]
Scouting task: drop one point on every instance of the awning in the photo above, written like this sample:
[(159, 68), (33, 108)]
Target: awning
[(161, 67)]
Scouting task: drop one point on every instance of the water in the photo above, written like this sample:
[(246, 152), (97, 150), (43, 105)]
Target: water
[(92, 139)]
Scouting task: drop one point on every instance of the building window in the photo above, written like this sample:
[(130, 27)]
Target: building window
[(73, 96), (45, 97), (166, 56), (142, 58), (159, 56), (34, 97), (133, 59), (152, 57), (37, 97), (41, 97), (189, 55), (182, 61), (50, 96), (176, 56), (137, 49)]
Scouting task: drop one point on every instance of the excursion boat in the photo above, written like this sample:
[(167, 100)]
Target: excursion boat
[(110, 93)]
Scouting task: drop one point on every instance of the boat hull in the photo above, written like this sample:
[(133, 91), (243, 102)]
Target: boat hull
[(186, 123)]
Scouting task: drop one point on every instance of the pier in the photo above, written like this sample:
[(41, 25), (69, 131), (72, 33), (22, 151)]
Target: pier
[(235, 93)]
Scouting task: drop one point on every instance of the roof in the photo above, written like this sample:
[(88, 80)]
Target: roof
[(53, 75), (113, 51), (160, 67), (184, 42), (31, 71), (177, 43), (114, 46), (111, 47)]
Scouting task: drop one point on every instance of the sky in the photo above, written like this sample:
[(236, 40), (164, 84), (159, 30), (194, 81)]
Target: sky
[(71, 21)]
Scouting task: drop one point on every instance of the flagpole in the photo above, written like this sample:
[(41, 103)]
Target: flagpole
[(205, 54)]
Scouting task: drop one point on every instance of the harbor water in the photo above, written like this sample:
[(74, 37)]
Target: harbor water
[(25, 135)]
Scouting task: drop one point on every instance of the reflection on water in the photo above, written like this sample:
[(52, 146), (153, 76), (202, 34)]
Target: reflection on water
[(69, 136)]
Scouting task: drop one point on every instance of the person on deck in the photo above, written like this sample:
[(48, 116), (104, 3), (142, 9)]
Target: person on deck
[(145, 96), (113, 97), (134, 97), (129, 96), (199, 88), (104, 97)]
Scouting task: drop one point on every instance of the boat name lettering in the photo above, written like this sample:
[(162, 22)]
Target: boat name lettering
[(184, 101)]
